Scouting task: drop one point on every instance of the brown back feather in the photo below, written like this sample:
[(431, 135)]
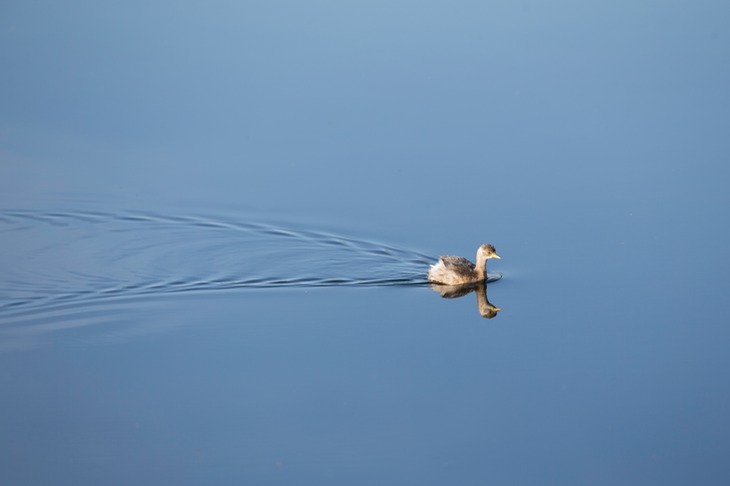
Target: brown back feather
[(458, 265)]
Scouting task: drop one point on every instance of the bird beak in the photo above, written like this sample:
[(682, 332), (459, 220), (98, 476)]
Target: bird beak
[(497, 309), (494, 255)]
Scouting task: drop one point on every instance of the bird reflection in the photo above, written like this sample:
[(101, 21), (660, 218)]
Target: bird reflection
[(486, 309)]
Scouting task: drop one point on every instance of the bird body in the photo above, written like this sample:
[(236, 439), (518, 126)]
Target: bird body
[(454, 270)]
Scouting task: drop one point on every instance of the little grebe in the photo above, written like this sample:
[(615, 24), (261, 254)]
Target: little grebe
[(453, 270)]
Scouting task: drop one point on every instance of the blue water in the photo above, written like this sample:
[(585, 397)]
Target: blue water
[(216, 222)]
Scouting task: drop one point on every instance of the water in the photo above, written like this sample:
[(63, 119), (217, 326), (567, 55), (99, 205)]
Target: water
[(215, 227)]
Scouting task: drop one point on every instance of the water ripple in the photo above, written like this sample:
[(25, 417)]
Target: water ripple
[(61, 258)]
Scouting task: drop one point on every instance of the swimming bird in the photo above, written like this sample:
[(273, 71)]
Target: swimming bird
[(453, 270)]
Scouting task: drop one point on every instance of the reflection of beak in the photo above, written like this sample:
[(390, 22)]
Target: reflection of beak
[(494, 255)]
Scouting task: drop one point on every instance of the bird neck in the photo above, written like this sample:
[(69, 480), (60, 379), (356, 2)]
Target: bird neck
[(481, 266)]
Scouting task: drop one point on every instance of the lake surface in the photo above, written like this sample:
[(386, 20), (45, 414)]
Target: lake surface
[(215, 228)]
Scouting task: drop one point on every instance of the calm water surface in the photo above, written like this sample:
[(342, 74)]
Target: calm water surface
[(215, 227)]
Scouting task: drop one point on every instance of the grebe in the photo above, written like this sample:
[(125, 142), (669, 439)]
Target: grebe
[(453, 270)]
